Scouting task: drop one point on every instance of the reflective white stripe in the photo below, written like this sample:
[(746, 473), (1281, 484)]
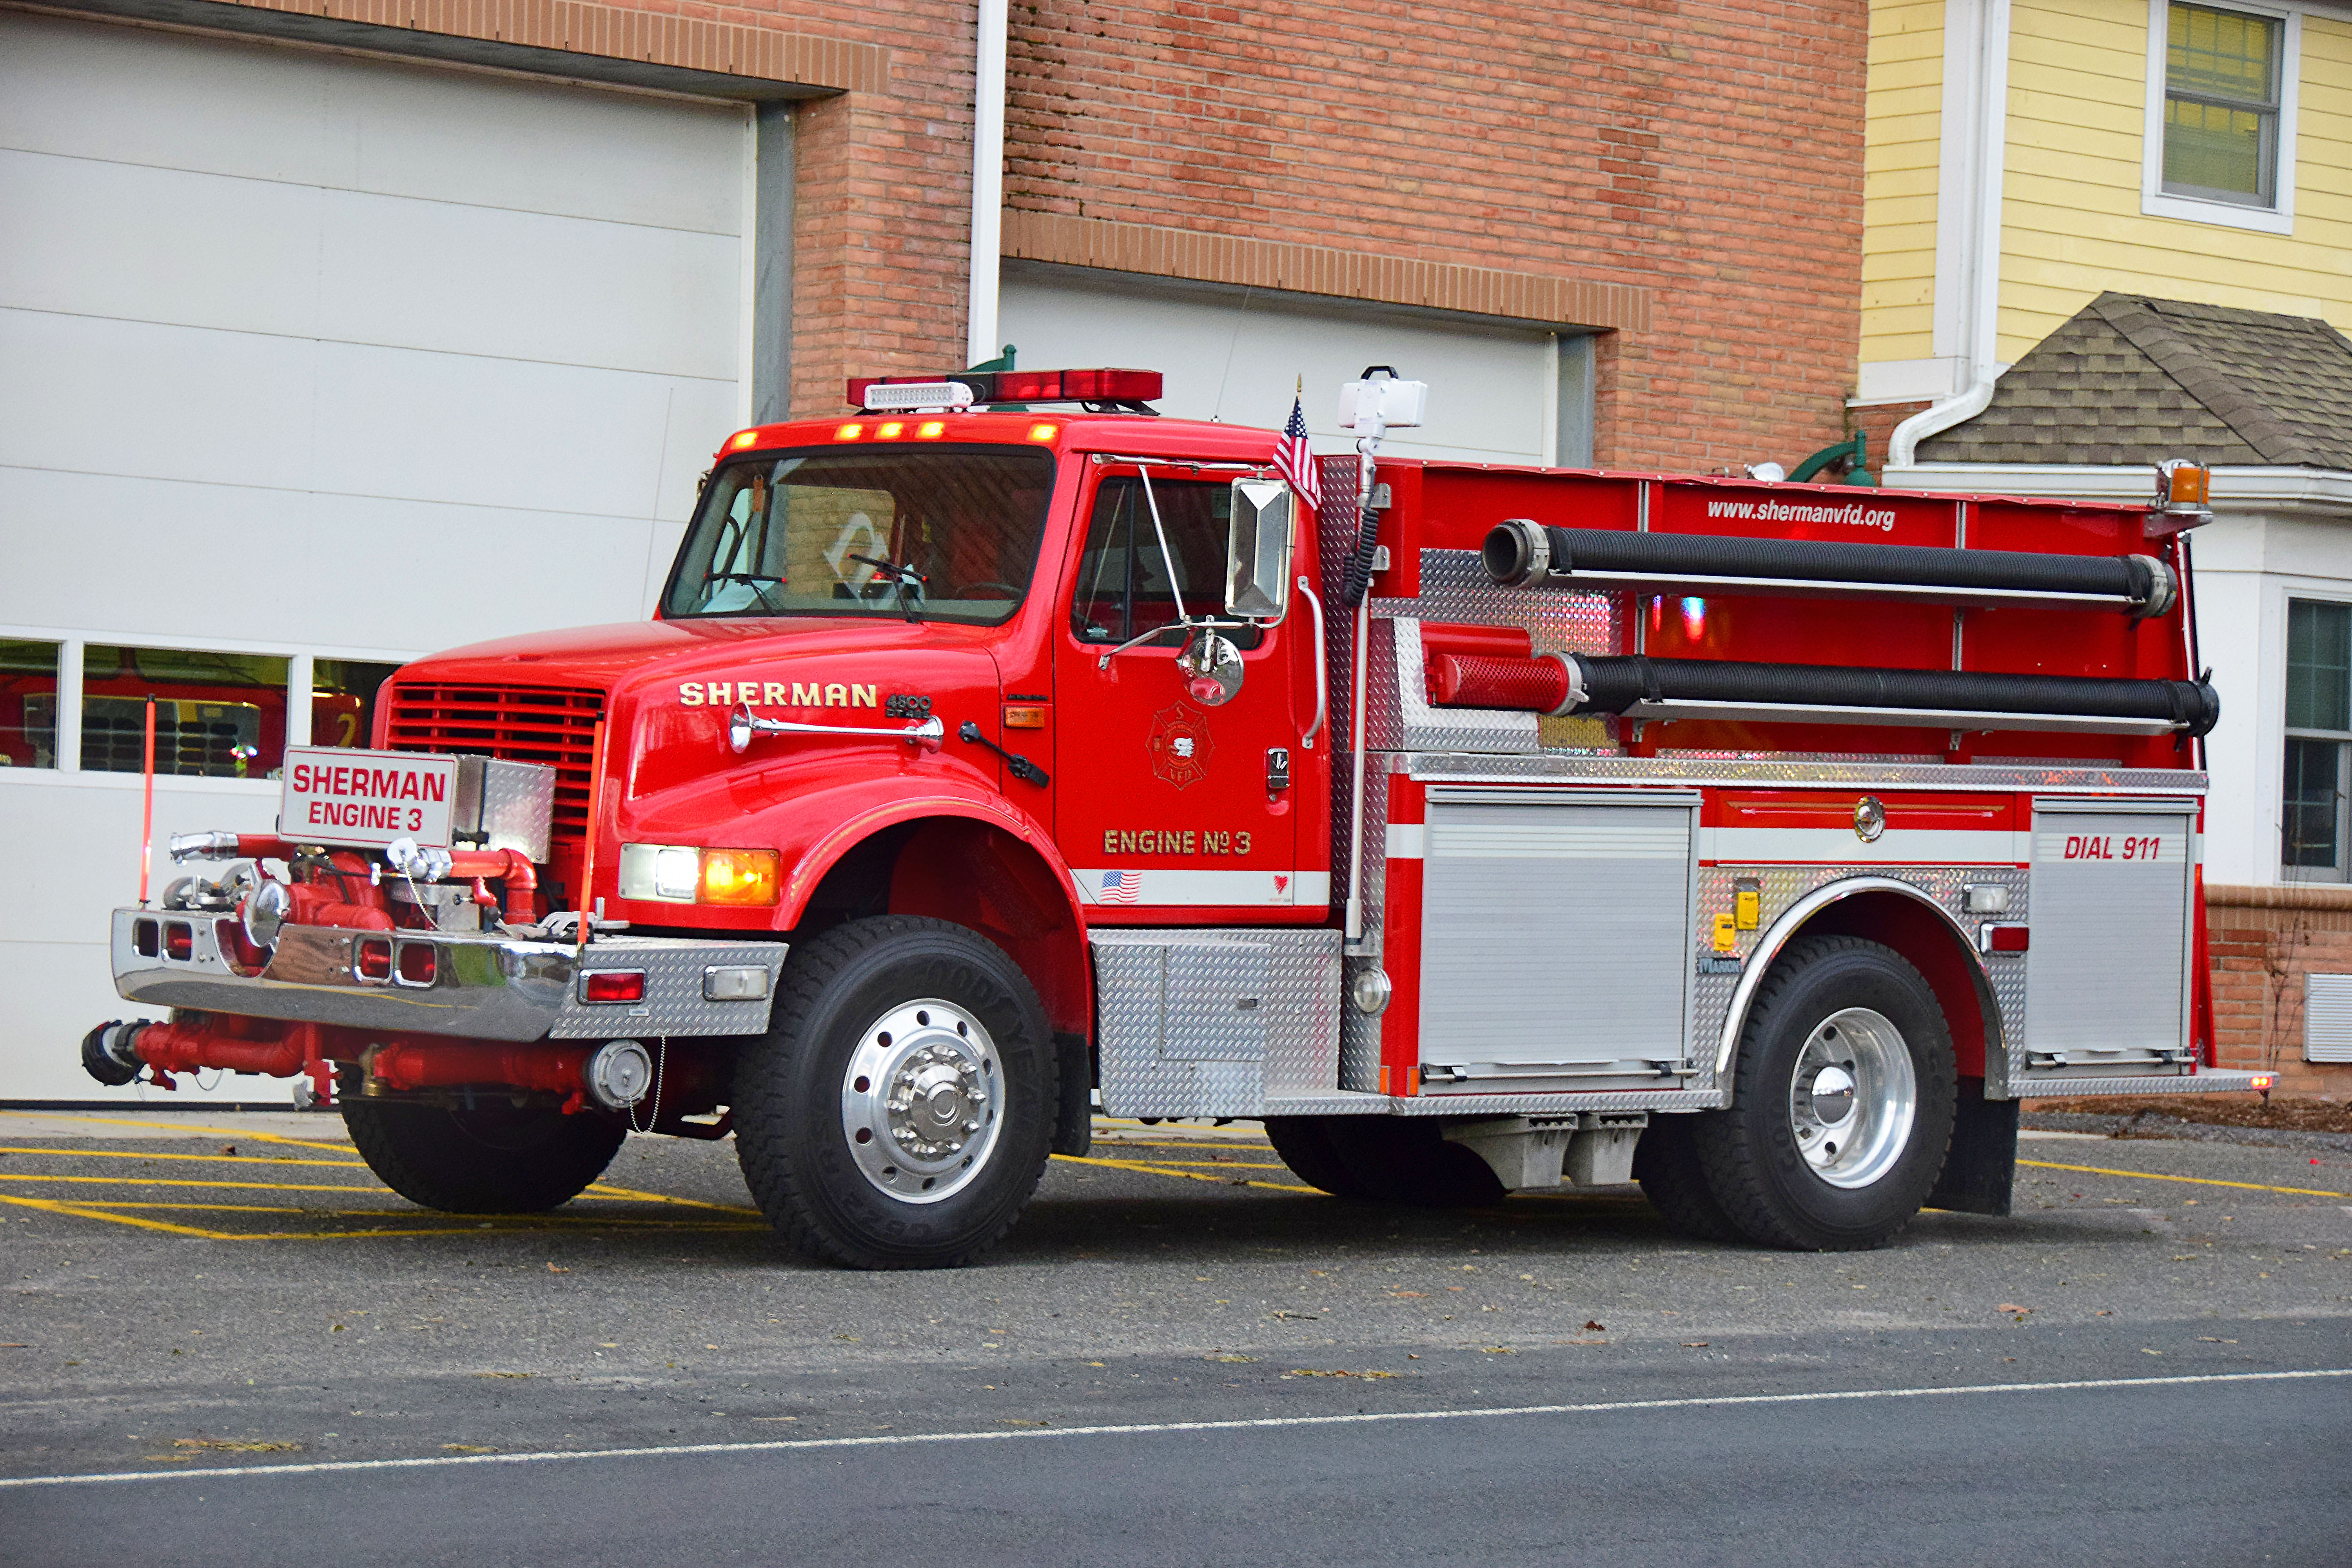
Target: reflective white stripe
[(1160, 887), (1843, 846), (1405, 840)]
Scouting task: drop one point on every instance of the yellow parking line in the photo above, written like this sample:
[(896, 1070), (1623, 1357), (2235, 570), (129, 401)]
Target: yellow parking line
[(1186, 1176), (473, 1227), (606, 1189), (175, 1182), (344, 1147), (1216, 1164), (208, 1159), (52, 1206), (2194, 1180)]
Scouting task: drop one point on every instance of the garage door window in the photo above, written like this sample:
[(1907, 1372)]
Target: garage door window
[(342, 700), (218, 715), (29, 703)]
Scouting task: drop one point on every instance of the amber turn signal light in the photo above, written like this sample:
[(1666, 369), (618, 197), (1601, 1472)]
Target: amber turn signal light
[(1024, 718), (741, 877)]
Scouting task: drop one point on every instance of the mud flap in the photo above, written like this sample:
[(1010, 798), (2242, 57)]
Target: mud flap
[(1073, 1126), (1981, 1168)]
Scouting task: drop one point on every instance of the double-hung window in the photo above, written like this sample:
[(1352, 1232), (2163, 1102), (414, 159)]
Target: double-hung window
[(2313, 825), (2220, 114)]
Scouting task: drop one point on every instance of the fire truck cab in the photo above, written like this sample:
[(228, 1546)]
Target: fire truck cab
[(1001, 751)]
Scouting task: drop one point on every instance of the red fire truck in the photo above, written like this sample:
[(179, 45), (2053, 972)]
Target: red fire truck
[(1000, 751)]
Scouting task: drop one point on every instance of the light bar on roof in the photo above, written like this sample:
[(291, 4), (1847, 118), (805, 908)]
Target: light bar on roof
[(885, 397), (881, 395)]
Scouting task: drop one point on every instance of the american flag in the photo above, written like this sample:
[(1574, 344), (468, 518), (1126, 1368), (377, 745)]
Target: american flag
[(1121, 886), (1296, 459)]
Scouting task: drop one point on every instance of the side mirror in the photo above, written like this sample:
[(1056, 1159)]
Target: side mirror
[(1257, 552), (1212, 668)]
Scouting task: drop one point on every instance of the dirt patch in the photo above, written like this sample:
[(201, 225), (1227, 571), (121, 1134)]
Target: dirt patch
[(2281, 1114)]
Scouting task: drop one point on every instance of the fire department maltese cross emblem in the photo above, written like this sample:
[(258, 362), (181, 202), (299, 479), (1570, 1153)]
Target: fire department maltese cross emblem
[(1180, 744)]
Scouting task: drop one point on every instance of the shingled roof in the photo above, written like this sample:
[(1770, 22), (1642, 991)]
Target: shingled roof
[(2134, 380)]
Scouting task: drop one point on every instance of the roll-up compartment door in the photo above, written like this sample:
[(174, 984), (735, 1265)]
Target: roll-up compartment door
[(1556, 937), (2111, 920)]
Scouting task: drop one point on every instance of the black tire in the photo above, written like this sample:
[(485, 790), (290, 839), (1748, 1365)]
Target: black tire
[(1750, 1153), (793, 1097), (1407, 1160), (1304, 1144), (492, 1160), (1666, 1163)]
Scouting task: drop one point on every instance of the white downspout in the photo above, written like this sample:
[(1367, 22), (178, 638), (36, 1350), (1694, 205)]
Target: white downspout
[(987, 183), (1968, 272)]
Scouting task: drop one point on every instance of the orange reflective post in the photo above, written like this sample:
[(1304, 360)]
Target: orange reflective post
[(147, 807)]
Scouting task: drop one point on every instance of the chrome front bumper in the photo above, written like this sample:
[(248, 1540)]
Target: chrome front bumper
[(483, 987)]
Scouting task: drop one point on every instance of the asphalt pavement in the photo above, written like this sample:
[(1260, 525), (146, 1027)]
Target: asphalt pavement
[(225, 1341)]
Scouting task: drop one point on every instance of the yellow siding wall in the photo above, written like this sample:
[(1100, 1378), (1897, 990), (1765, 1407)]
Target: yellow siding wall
[(1899, 181), (2070, 195)]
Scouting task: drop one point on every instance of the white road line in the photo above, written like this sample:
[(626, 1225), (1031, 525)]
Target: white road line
[(1269, 1422)]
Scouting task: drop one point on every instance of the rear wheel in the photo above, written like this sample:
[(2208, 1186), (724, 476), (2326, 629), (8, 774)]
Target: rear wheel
[(1842, 1094), (899, 1111), (1406, 1160), (1304, 1142), (1666, 1163), (492, 1160)]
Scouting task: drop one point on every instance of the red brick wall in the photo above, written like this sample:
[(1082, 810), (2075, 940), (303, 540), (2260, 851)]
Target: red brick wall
[(1698, 162), (1708, 152), (2259, 956)]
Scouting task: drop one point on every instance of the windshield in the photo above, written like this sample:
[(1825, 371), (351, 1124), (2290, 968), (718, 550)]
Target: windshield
[(945, 533)]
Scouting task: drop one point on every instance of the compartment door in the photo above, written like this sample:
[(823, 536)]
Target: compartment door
[(2106, 975), (1556, 938)]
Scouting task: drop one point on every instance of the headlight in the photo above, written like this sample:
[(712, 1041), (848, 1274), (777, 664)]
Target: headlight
[(683, 874)]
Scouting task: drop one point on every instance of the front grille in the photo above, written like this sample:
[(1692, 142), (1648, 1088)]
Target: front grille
[(554, 725)]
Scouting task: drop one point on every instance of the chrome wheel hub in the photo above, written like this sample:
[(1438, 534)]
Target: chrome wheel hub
[(1854, 1098), (920, 1100)]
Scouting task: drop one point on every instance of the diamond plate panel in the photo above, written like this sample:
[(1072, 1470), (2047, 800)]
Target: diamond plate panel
[(2206, 1081), (1212, 1023), (511, 805), (1454, 587), (673, 1002), (1360, 1037), (1780, 887), (1400, 717)]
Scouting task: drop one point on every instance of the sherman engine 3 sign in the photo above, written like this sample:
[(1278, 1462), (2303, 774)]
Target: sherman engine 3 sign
[(366, 799)]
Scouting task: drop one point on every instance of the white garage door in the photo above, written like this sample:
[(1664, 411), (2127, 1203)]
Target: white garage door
[(303, 354), (1238, 356)]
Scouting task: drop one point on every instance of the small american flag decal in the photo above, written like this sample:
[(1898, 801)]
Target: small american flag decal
[(1120, 887)]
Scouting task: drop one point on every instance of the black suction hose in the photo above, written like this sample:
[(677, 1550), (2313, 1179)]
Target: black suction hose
[(1612, 684), (1519, 553)]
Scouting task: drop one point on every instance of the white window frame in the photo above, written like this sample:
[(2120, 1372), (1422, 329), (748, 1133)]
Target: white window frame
[(301, 663), (2154, 200), (2315, 594)]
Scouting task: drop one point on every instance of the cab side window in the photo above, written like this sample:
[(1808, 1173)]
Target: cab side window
[(1123, 586)]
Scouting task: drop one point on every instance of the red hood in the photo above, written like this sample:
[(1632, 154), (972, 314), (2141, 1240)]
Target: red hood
[(605, 656)]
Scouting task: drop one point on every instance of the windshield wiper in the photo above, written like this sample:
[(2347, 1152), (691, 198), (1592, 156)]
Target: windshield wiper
[(758, 582), (900, 577)]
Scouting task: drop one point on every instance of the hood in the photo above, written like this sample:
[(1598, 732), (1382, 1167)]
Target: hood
[(605, 656)]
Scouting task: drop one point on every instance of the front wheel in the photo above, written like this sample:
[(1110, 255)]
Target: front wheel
[(491, 1160), (1842, 1105), (899, 1111)]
